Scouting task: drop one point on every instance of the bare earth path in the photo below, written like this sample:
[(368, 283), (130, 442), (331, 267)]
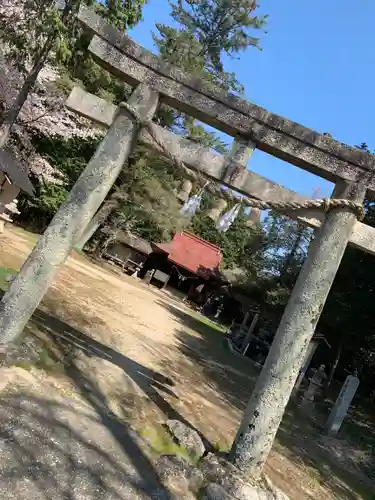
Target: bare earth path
[(113, 353)]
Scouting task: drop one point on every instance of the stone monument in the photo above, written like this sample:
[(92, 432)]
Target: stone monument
[(341, 406)]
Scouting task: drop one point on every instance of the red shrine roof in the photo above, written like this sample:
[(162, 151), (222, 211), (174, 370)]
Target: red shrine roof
[(193, 254)]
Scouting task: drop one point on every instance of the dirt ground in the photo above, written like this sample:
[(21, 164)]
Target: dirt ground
[(108, 339)]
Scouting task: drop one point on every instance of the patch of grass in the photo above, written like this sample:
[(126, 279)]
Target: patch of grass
[(206, 321), (162, 443), (4, 273), (25, 365), (48, 363), (79, 254), (220, 447), (44, 362)]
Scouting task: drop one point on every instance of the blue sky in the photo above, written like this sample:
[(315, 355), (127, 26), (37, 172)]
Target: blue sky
[(316, 68)]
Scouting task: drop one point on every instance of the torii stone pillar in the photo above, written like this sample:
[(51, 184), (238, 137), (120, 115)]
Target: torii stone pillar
[(85, 198), (275, 383)]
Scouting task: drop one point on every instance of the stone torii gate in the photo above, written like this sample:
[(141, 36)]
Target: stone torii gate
[(351, 170)]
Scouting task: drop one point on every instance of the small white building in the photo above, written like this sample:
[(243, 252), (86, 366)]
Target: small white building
[(13, 179)]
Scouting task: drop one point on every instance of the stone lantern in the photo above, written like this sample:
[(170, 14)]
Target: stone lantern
[(8, 210)]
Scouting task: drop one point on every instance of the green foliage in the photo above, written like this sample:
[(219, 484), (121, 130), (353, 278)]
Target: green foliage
[(239, 245), (210, 28), (348, 313), (69, 157), (47, 201), (286, 245), (30, 27), (95, 79), (219, 25), (191, 48), (151, 209), (121, 13)]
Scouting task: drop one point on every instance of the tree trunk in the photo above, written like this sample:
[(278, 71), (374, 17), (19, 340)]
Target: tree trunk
[(11, 115), (108, 207), (291, 255)]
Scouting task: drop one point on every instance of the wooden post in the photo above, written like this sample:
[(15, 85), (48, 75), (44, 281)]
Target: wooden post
[(89, 231), (305, 366), (90, 190), (245, 319), (249, 333), (275, 383)]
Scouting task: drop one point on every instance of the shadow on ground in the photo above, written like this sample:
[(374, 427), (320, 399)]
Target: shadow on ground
[(58, 448), (334, 463), (81, 462)]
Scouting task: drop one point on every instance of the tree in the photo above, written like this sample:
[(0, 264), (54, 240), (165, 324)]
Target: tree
[(37, 32), (218, 27), (30, 35), (286, 245), (208, 29), (240, 244)]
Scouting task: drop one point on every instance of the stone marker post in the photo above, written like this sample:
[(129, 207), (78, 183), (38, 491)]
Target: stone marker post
[(275, 383), (340, 409), (90, 190)]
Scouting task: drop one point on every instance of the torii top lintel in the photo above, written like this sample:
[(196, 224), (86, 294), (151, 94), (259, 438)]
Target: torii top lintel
[(282, 138)]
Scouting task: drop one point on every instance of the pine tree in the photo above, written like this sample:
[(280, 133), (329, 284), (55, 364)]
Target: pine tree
[(209, 29)]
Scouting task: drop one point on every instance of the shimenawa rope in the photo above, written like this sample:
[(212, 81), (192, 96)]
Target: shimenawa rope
[(326, 204)]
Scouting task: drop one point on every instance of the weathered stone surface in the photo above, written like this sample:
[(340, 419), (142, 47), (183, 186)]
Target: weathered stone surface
[(274, 385), (218, 471), (216, 492), (240, 490), (174, 470), (186, 437)]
